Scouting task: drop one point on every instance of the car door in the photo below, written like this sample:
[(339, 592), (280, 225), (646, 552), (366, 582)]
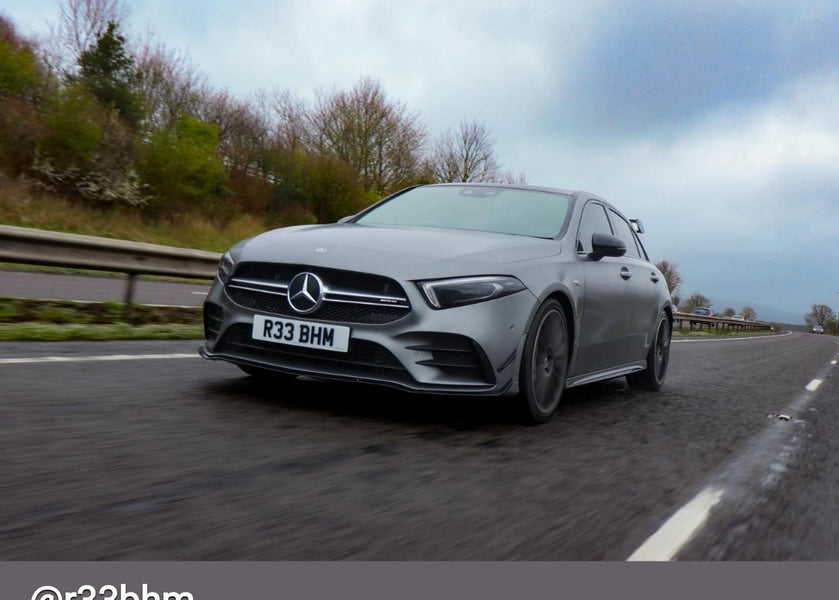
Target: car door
[(642, 291), (604, 314)]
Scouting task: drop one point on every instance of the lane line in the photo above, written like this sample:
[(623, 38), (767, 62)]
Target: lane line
[(813, 385), (677, 531), (111, 357)]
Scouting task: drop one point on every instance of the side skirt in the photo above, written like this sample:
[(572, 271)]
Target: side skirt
[(606, 374)]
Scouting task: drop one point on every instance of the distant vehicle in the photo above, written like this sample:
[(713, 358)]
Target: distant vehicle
[(818, 329), (738, 318), (705, 312)]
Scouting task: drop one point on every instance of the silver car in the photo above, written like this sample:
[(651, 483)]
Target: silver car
[(479, 289)]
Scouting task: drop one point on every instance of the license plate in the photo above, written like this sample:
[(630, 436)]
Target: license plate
[(301, 333)]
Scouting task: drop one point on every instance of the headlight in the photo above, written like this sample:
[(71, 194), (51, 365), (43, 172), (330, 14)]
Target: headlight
[(225, 267), (448, 293)]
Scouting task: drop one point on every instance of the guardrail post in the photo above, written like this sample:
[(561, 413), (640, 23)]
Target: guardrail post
[(129, 297)]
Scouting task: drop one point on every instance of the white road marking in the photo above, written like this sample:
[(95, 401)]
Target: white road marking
[(813, 385), (665, 543), (675, 533), (46, 359)]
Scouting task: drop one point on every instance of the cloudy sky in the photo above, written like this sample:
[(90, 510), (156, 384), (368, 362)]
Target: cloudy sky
[(715, 122)]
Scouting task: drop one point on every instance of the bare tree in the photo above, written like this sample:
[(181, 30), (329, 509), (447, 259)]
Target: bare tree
[(380, 140), (288, 118), (465, 155), (80, 24), (243, 132), (820, 314), (169, 84), (696, 300), (748, 313), (671, 276), (508, 177)]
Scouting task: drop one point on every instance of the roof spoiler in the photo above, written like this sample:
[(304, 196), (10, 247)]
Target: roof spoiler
[(636, 223)]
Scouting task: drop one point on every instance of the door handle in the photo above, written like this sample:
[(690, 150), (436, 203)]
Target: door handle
[(655, 278), (626, 273)]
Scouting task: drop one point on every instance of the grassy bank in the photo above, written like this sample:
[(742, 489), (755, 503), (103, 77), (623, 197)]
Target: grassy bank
[(24, 207)]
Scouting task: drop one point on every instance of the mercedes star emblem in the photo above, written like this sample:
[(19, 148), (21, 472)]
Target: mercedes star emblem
[(305, 293)]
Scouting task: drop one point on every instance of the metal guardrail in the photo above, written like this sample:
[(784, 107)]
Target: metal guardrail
[(723, 323), (23, 245)]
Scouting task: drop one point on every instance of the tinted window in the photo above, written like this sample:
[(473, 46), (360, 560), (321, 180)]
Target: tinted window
[(624, 231), (594, 220)]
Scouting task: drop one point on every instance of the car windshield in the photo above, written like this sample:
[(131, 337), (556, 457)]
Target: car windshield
[(480, 208)]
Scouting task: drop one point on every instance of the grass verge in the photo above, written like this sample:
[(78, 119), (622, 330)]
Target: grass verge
[(48, 332), (61, 320)]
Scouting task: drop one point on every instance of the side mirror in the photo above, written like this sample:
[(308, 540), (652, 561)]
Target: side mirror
[(604, 244)]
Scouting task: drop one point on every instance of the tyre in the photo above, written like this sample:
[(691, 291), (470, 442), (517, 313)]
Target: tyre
[(652, 378), (544, 365)]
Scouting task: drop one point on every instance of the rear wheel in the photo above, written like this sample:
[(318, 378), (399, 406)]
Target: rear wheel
[(652, 378), (544, 365)]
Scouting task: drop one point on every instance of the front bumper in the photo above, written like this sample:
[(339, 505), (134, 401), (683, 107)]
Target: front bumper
[(470, 350)]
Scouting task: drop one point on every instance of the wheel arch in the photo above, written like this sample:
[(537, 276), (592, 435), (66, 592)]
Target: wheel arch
[(566, 303), (570, 321)]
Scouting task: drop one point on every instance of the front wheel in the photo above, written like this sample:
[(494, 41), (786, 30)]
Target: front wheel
[(652, 378), (544, 365)]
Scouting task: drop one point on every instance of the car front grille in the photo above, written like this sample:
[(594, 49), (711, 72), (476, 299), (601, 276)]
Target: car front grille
[(350, 297)]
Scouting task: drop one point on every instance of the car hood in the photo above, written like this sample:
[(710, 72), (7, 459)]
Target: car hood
[(405, 253)]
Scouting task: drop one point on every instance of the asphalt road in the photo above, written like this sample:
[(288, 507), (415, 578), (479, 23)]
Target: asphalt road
[(143, 451)]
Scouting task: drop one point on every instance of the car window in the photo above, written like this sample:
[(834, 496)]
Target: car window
[(593, 220), (624, 231), (494, 209)]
